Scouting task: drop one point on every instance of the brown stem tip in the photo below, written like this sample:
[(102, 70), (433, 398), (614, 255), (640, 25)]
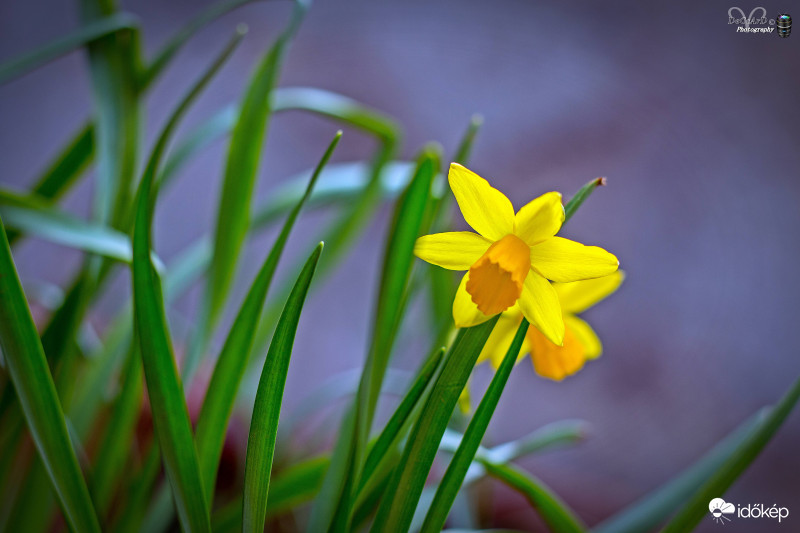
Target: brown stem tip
[(600, 182)]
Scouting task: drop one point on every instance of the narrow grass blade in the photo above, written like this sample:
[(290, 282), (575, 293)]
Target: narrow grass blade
[(652, 510), (457, 471), (554, 435), (62, 172), (583, 193), (400, 500), (338, 107), (59, 47), (61, 228), (232, 362), (733, 467), (36, 393), (553, 511), (397, 261), (267, 408), (292, 487), (170, 415)]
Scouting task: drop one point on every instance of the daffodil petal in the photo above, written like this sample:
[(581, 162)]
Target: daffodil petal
[(592, 347), (500, 339), (579, 296), (456, 250), (465, 313), (540, 219), (563, 260), (485, 209), (539, 303), (556, 362)]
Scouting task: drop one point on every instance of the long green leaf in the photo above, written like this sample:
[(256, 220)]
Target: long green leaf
[(552, 510), (233, 214), (295, 485), (66, 230), (728, 472), (267, 408), (400, 500), (170, 415), (397, 262), (457, 471), (36, 393), (652, 510), (230, 367), (52, 50), (583, 193)]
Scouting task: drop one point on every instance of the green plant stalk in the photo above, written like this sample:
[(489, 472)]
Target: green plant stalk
[(170, 415), (267, 408), (36, 393), (559, 518), (457, 470), (583, 193), (400, 500), (232, 362)]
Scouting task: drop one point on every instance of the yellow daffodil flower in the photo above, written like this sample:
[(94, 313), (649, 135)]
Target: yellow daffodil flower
[(511, 257), (580, 340)]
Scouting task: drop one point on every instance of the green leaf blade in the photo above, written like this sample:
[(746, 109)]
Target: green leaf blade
[(37, 396), (266, 411), (170, 414), (553, 511)]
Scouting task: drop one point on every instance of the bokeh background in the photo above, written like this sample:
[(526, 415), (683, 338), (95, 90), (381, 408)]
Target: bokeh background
[(694, 125)]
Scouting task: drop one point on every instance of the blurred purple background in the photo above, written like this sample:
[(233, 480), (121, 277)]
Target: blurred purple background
[(695, 126)]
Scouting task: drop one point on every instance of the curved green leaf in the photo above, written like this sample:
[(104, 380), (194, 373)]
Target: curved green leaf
[(36, 393), (267, 408), (550, 507), (170, 416), (583, 193)]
